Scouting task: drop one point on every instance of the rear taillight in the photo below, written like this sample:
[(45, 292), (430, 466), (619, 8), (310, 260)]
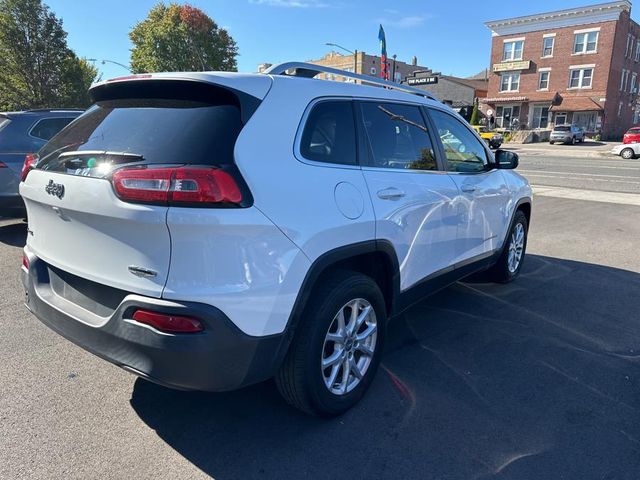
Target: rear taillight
[(168, 323), (3, 165), (177, 186), (25, 262), (29, 162)]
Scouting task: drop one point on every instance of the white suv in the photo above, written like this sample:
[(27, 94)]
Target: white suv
[(213, 230)]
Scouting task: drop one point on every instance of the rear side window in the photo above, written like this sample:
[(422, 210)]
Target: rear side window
[(4, 122), (147, 131), (633, 131), (46, 128), (398, 136), (329, 134)]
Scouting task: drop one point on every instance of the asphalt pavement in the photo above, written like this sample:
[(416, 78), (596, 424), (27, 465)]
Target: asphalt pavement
[(538, 379)]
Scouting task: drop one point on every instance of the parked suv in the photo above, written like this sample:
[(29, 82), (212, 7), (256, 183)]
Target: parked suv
[(212, 230), (23, 133), (566, 134)]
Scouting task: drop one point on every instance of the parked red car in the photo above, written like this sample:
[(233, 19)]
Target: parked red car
[(632, 135)]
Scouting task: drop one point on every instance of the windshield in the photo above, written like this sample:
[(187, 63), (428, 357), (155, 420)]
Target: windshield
[(146, 131)]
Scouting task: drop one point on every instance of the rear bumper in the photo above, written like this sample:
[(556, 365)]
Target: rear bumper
[(220, 358)]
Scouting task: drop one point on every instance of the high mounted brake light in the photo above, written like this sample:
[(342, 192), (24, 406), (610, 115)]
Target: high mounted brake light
[(181, 186)]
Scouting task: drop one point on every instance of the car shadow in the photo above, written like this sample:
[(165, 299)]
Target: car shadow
[(13, 234), (535, 379)]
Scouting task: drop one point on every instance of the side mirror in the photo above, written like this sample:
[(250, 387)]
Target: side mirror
[(506, 160)]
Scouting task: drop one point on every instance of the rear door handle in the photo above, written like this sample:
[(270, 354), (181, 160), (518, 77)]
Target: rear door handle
[(468, 188), (390, 193)]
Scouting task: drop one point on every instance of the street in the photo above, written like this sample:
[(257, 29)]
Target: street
[(538, 379)]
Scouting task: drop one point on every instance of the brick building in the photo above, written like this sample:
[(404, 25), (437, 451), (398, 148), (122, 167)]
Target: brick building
[(580, 66), (362, 64)]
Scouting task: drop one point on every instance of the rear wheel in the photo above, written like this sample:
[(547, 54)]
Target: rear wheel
[(627, 153), (508, 266), (337, 348), (551, 142), (573, 140)]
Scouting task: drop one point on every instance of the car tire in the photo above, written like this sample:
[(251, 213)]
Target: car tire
[(573, 140), (508, 266), (302, 380), (627, 153)]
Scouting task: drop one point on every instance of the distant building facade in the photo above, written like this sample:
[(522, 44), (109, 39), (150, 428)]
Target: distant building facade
[(459, 93), (579, 66)]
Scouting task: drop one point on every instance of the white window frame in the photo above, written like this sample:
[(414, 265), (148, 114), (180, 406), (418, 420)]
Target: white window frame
[(634, 81), (620, 109), (626, 50), (622, 79), (540, 74), (510, 82), (553, 44), (560, 114), (512, 41), (582, 69), (585, 44), (637, 56)]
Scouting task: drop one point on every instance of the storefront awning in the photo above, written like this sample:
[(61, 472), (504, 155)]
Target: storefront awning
[(577, 104)]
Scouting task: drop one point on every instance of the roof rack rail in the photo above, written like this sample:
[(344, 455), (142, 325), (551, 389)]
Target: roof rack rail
[(310, 70), (35, 110)]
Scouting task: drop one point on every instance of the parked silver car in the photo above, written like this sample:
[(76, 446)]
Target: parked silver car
[(566, 134)]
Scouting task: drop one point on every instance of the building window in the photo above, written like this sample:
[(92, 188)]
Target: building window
[(540, 116), (512, 51), (373, 70), (397, 77), (547, 47), (626, 50), (586, 42), (620, 109), (580, 78), (509, 82), (634, 79), (508, 116), (637, 58), (543, 81), (561, 118)]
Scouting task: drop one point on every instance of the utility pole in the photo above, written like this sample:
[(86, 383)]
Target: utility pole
[(393, 74)]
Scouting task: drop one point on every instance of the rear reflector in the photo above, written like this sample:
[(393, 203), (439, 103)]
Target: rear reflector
[(176, 186), (29, 162), (25, 262), (168, 323)]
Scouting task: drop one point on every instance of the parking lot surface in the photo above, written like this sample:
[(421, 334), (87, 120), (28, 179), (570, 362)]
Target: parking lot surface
[(536, 379)]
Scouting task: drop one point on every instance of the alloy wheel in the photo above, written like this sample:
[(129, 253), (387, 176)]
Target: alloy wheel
[(516, 248), (349, 346)]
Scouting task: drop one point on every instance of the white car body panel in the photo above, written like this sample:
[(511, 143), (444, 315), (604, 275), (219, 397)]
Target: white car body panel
[(92, 234)]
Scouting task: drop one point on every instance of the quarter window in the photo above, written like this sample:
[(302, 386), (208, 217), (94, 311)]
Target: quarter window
[(543, 82), (509, 82), (585, 42), (463, 151), (329, 134), (547, 46), (512, 51), (45, 129), (398, 137), (581, 78)]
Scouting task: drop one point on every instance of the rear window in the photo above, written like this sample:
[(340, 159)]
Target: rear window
[(562, 129), (145, 131), (4, 121), (632, 131), (46, 128)]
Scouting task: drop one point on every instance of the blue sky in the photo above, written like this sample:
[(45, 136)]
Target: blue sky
[(446, 36)]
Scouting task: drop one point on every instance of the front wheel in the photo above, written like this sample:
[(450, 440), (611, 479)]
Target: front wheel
[(627, 153), (551, 143), (508, 266), (337, 348)]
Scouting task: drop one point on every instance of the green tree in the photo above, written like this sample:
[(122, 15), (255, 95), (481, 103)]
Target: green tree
[(180, 38), (475, 114), (37, 69)]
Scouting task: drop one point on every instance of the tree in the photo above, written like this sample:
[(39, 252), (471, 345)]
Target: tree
[(37, 69), (180, 38), (475, 114)]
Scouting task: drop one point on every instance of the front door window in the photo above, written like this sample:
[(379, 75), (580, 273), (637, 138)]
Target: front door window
[(508, 117), (561, 118)]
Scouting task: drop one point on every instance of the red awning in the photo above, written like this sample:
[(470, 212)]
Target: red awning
[(577, 104)]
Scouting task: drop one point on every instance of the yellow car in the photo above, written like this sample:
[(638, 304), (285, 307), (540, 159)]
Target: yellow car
[(493, 139)]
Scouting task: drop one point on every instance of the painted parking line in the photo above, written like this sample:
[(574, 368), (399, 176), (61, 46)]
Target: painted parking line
[(587, 195), (573, 174)]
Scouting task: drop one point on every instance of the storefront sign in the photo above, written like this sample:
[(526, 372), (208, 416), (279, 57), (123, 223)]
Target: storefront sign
[(506, 66), (422, 81)]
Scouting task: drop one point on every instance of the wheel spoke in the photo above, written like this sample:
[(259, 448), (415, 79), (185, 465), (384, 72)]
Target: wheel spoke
[(335, 337), (353, 366), (345, 377), (332, 359), (371, 329), (365, 349), (332, 378), (353, 318), (341, 325), (362, 317)]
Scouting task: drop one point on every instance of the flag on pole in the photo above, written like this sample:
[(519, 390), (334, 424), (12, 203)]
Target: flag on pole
[(384, 67)]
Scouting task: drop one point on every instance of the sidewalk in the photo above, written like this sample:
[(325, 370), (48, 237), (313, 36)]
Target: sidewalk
[(589, 148)]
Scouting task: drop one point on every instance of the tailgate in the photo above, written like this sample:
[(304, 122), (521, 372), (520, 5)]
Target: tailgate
[(78, 224)]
